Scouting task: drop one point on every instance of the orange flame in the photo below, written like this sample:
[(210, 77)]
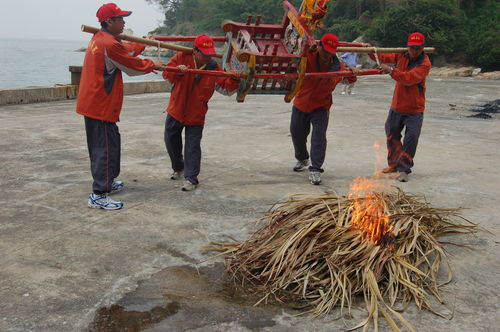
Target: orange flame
[(368, 211)]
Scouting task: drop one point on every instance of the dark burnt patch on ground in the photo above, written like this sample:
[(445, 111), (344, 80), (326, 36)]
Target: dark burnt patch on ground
[(485, 111), (182, 298)]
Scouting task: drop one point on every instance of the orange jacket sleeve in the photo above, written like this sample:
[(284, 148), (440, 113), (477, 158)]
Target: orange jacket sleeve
[(134, 49), (413, 76), (226, 85), (174, 62), (131, 65)]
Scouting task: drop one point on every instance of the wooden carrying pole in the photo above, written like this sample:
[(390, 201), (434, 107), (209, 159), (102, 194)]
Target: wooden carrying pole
[(380, 49), (145, 41), (187, 38), (221, 39)]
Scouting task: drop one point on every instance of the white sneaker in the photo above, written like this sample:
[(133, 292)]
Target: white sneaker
[(117, 186), (188, 186), (402, 177), (103, 202), (342, 93), (301, 165), (176, 175), (315, 178)]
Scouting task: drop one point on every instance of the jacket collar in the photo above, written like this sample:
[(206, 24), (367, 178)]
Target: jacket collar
[(417, 61), (107, 31), (335, 65)]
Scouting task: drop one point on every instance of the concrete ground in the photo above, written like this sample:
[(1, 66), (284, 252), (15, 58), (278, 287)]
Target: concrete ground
[(65, 267)]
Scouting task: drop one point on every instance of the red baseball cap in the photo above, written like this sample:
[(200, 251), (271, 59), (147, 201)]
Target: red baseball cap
[(205, 44), (330, 43), (416, 39), (109, 10)]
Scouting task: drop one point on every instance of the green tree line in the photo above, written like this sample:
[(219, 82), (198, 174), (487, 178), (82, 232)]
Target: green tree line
[(463, 31)]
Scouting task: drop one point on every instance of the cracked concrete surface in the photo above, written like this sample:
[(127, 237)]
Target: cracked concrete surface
[(61, 261)]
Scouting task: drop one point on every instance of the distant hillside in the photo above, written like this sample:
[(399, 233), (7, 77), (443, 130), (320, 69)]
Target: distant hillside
[(463, 31)]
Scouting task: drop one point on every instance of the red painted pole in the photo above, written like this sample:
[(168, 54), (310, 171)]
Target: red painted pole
[(344, 73), (202, 72)]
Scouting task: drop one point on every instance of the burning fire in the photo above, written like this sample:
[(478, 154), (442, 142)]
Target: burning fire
[(368, 210)]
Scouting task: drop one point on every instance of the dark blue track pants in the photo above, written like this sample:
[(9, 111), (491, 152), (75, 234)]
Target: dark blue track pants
[(400, 155), (191, 160), (300, 127), (104, 144)]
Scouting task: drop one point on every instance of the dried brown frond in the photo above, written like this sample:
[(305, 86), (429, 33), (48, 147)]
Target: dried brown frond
[(308, 250)]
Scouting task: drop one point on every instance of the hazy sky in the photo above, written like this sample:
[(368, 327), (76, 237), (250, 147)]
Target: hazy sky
[(61, 19)]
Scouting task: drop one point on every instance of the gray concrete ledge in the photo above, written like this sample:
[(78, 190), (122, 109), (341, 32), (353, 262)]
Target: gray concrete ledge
[(37, 94)]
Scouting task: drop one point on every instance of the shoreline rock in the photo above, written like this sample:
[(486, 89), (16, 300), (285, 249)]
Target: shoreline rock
[(492, 75), (466, 71), (452, 71)]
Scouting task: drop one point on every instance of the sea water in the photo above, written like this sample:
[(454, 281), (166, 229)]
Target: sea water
[(26, 62)]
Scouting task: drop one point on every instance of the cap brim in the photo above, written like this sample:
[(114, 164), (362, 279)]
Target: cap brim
[(124, 13), (207, 51), (415, 45)]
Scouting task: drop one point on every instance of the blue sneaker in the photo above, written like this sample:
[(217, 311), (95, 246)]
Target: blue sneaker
[(116, 186), (103, 202)]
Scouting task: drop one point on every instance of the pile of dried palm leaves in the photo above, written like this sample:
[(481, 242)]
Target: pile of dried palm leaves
[(319, 251)]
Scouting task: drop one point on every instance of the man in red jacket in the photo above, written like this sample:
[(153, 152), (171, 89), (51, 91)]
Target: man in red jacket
[(100, 99), (188, 106), (409, 70), (311, 108)]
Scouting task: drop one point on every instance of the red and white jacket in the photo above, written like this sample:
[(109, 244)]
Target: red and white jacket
[(191, 93), (100, 95)]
